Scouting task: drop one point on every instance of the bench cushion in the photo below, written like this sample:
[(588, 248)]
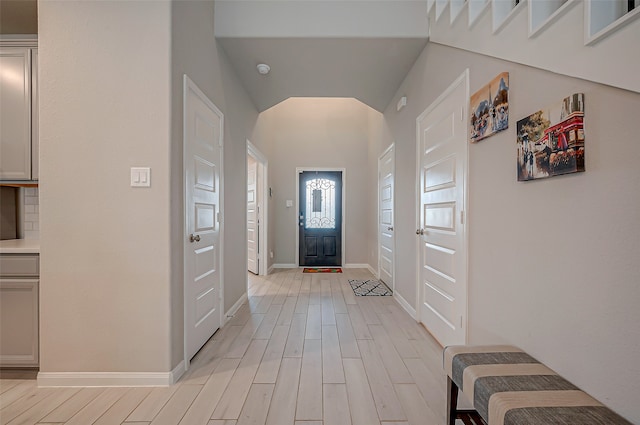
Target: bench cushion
[(508, 386)]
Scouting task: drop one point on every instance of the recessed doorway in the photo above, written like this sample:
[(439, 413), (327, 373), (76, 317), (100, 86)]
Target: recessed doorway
[(257, 167)]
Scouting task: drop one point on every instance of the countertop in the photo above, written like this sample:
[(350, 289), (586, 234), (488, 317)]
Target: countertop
[(20, 246)]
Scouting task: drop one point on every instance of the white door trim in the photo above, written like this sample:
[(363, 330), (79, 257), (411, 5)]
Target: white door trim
[(263, 165), (188, 84), (344, 208), (462, 79), (393, 206)]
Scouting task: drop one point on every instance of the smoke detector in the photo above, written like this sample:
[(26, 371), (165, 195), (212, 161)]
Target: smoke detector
[(263, 68)]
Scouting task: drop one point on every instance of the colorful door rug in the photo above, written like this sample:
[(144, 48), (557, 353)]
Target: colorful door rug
[(322, 270), (369, 288)]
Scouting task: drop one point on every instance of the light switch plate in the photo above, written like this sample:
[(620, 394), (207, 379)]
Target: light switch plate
[(289, 203), (140, 177)]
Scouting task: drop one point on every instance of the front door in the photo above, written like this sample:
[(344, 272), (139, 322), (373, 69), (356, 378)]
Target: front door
[(385, 216), (202, 248), (320, 218), (442, 154)]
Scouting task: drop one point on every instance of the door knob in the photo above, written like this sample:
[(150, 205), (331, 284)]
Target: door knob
[(193, 238), (420, 232), (390, 228)]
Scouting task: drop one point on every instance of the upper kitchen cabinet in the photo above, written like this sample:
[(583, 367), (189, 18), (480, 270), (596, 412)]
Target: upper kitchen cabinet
[(18, 111)]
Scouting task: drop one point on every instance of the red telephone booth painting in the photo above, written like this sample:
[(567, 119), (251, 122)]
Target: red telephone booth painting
[(550, 142)]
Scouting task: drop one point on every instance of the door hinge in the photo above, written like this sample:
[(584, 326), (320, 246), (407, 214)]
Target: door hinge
[(460, 322), (461, 217), (218, 219)]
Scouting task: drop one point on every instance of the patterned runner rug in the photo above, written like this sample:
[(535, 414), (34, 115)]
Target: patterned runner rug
[(369, 288)]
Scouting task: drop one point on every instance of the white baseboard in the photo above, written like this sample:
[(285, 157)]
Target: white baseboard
[(234, 308), (284, 266), (356, 266), (362, 266), (110, 379), (405, 305)]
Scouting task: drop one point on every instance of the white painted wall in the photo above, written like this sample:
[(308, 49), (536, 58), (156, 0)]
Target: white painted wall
[(319, 132), (105, 247), (552, 263), (195, 53)]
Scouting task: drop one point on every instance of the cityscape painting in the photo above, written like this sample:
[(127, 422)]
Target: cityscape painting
[(550, 142), (489, 111)]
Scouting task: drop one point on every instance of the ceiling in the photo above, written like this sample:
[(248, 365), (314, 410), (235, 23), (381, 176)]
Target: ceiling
[(368, 69), (322, 48), (315, 48)]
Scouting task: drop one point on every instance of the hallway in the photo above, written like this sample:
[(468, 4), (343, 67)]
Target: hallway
[(354, 360)]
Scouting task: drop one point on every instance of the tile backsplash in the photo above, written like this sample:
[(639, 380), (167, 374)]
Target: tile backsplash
[(31, 213)]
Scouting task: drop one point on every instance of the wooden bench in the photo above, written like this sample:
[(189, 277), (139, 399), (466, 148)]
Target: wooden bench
[(509, 387)]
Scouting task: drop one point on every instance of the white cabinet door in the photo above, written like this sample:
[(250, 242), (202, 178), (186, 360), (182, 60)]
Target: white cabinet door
[(35, 107), (18, 322), (15, 113)]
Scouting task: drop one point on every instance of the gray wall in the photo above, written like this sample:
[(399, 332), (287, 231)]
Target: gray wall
[(105, 246), (379, 140), (112, 259), (195, 53), (262, 139), (553, 264)]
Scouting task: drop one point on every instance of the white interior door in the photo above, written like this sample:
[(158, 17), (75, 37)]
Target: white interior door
[(442, 156), (386, 238), (252, 216), (203, 130)]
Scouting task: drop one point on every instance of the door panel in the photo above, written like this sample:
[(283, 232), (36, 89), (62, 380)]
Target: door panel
[(311, 246), (442, 150), (204, 174), (320, 219), (202, 158), (385, 226), (329, 246)]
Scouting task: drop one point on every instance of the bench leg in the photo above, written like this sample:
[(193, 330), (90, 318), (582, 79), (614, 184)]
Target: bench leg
[(452, 402), (468, 417)]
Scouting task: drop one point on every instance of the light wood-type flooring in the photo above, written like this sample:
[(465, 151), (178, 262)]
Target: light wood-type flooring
[(304, 350)]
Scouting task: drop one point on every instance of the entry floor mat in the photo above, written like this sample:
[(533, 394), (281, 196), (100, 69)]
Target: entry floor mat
[(322, 270)]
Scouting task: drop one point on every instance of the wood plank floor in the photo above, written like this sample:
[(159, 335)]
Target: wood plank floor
[(302, 351)]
